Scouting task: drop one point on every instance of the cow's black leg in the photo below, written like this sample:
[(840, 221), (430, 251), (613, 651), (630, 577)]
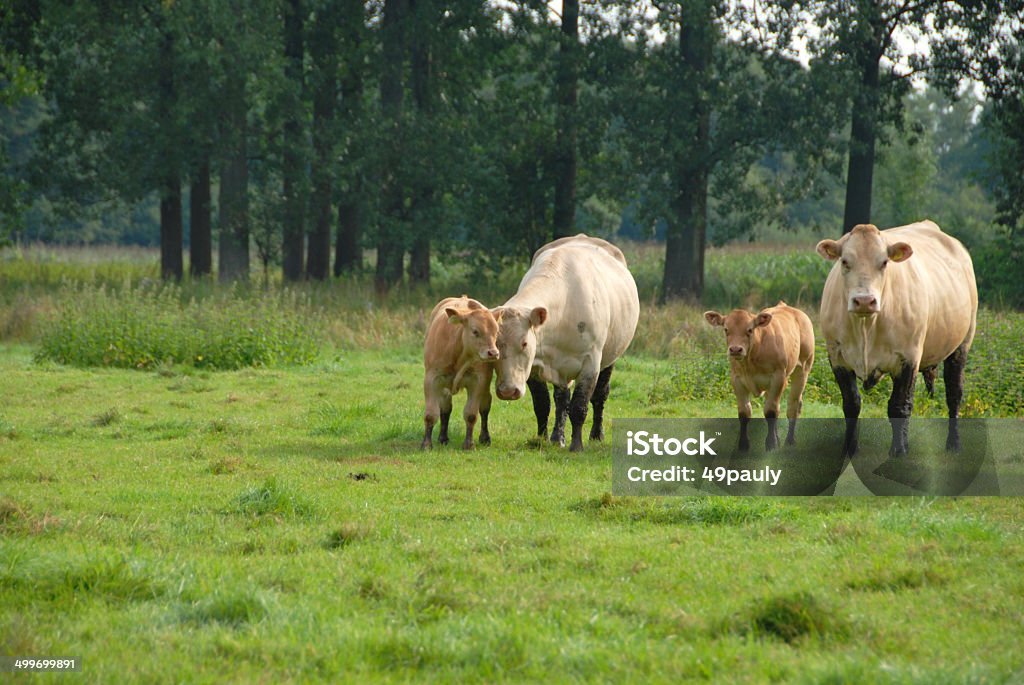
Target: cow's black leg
[(929, 375), (771, 441), (485, 410), (541, 404), (578, 409), (901, 404), (846, 379), (598, 400), (953, 375), (442, 436), (562, 396)]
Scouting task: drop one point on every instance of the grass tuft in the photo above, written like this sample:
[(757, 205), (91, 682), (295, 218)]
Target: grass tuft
[(230, 607), (272, 498), (107, 418), (790, 618), (346, 534)]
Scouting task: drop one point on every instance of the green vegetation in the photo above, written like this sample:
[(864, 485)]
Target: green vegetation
[(141, 327)]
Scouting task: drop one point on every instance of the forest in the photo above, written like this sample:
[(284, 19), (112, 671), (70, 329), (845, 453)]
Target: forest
[(326, 137)]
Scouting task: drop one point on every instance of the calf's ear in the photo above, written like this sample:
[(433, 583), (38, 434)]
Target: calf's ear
[(538, 316), (899, 252), (714, 318), (829, 249), (497, 313), (763, 319), (455, 316)]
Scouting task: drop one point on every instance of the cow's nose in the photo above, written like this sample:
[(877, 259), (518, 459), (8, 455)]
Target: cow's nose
[(735, 350), (492, 353), (865, 303), (506, 393)]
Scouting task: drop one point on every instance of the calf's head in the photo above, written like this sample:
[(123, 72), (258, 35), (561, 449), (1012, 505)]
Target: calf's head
[(864, 256), (739, 325), (479, 330), (517, 344)]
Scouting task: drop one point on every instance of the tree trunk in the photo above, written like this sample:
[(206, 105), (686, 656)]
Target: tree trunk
[(863, 133), (685, 240), (233, 252), (171, 266), (687, 225), (390, 243), (349, 253), (294, 228), (171, 244), (325, 66), (423, 194), (565, 145), (200, 242)]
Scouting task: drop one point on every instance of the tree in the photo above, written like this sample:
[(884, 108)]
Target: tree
[(323, 44), (294, 170), (564, 215)]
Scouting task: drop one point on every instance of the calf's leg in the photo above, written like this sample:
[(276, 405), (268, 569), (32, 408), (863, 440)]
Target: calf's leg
[(795, 403), (431, 411), (445, 401), (772, 403), (597, 401), (541, 404), (485, 410), (953, 376), (743, 410)]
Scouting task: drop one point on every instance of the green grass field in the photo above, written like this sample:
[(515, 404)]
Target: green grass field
[(280, 524)]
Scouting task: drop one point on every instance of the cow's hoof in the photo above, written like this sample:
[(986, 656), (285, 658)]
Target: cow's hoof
[(599, 436), (576, 446), (468, 445), (790, 440), (744, 445), (557, 439), (485, 440), (443, 440), (426, 445)]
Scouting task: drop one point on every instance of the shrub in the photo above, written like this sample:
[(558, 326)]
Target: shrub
[(145, 326)]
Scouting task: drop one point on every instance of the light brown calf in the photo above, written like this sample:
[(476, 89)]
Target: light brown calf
[(766, 350), (459, 352)]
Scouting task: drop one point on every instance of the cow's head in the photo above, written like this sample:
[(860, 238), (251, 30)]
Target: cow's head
[(863, 258), (479, 330), (517, 343), (739, 325)]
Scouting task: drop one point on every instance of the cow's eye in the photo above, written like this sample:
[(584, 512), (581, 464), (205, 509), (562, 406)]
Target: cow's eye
[(476, 333), (727, 331), (885, 263), (524, 345), (846, 264)]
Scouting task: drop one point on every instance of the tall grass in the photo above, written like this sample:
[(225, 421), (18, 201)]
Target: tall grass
[(144, 326)]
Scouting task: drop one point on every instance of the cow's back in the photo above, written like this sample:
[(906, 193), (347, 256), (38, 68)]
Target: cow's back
[(589, 292)]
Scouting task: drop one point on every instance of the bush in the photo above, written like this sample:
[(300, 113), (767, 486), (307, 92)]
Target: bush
[(145, 326)]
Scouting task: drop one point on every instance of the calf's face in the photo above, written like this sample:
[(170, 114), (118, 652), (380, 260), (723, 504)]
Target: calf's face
[(479, 330), (864, 257), (517, 345), (739, 325)]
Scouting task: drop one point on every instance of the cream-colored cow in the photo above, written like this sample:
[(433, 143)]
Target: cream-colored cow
[(766, 350), (574, 314), (897, 302), (459, 352)]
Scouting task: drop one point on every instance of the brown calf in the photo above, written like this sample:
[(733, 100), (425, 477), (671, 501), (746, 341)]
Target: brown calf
[(459, 352), (766, 350)]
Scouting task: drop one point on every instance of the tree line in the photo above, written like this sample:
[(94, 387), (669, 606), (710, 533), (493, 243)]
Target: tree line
[(306, 131)]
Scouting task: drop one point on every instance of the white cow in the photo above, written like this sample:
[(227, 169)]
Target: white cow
[(575, 313), (898, 301)]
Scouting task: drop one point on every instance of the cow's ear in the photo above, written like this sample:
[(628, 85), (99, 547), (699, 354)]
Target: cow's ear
[(538, 316), (714, 318), (763, 319), (497, 314), (899, 252), (455, 316), (829, 249)]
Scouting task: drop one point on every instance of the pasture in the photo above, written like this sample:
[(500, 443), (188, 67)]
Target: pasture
[(174, 521)]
